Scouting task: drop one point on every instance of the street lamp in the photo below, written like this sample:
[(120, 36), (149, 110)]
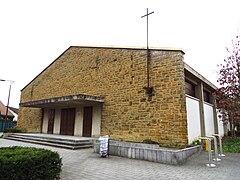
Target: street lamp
[(9, 92)]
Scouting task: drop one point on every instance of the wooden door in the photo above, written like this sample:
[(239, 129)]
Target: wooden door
[(67, 121), (87, 121), (51, 116)]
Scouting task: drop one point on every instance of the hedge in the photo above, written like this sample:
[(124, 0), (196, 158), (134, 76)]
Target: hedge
[(29, 163), (13, 130)]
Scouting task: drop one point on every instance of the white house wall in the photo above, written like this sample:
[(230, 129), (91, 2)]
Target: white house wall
[(15, 115), (209, 119), (96, 123), (193, 119), (78, 128), (57, 121), (45, 121)]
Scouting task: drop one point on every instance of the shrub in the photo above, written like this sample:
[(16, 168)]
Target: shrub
[(231, 145), (28, 163), (149, 141), (13, 130)]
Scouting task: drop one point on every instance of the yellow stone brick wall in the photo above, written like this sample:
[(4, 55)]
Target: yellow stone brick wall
[(30, 119), (119, 75)]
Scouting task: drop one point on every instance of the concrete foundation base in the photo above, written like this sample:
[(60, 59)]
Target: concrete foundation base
[(149, 152)]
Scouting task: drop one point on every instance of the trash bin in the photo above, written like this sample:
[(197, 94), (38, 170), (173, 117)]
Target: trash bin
[(104, 146)]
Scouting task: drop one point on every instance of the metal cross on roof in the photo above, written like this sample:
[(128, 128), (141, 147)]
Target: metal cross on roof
[(146, 15), (148, 88)]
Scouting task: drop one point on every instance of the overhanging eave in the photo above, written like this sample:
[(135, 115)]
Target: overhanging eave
[(64, 101)]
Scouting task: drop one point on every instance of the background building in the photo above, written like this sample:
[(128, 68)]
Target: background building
[(11, 119)]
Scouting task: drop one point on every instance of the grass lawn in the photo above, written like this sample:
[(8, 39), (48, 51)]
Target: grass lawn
[(231, 145)]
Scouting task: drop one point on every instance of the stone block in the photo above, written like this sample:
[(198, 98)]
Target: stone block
[(175, 158), (184, 154), (169, 156), (111, 150), (145, 154), (129, 154), (149, 154), (159, 156), (164, 157), (118, 151), (137, 153), (114, 149), (122, 151), (141, 153), (154, 155), (126, 151), (133, 152)]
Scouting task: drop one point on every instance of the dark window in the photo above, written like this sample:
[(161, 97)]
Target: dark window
[(190, 88), (206, 96)]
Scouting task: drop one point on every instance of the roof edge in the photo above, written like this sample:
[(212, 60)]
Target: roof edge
[(133, 48), (199, 76)]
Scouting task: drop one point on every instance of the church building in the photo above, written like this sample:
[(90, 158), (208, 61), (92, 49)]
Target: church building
[(130, 94)]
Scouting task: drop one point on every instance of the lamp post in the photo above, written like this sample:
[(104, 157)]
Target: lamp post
[(9, 92)]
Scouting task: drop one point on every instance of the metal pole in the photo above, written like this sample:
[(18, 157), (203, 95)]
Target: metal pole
[(148, 55), (147, 28), (9, 92), (210, 163), (148, 88), (215, 148), (220, 145)]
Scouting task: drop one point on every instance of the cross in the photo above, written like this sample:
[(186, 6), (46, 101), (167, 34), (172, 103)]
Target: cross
[(148, 88), (146, 15)]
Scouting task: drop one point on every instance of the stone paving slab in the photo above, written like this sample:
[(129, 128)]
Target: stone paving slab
[(85, 164)]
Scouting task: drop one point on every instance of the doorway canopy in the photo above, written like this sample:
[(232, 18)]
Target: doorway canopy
[(64, 101)]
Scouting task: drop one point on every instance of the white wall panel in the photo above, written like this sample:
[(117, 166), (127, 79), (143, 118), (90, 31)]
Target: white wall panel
[(96, 123), (57, 121), (220, 124), (193, 119), (78, 122), (209, 119), (45, 121)]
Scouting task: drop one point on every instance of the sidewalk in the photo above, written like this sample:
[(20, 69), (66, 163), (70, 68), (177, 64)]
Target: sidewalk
[(84, 164)]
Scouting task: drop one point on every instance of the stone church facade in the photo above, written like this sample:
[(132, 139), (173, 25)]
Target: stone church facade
[(93, 91)]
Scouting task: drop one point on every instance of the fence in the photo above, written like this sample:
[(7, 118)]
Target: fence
[(8, 124)]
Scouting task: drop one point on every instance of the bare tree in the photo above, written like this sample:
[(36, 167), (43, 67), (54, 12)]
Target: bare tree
[(228, 95)]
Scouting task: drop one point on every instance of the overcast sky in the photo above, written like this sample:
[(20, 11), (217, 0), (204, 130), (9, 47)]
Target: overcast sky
[(33, 33)]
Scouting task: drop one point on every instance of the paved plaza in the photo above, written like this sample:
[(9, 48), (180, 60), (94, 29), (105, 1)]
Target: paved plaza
[(84, 164)]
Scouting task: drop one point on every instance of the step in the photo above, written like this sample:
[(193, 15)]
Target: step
[(56, 142), (53, 140), (51, 144)]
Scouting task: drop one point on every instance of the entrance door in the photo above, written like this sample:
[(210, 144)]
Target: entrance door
[(51, 115), (87, 121), (67, 121)]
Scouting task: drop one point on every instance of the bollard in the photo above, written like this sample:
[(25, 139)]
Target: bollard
[(215, 148), (220, 144), (210, 164), (206, 143)]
